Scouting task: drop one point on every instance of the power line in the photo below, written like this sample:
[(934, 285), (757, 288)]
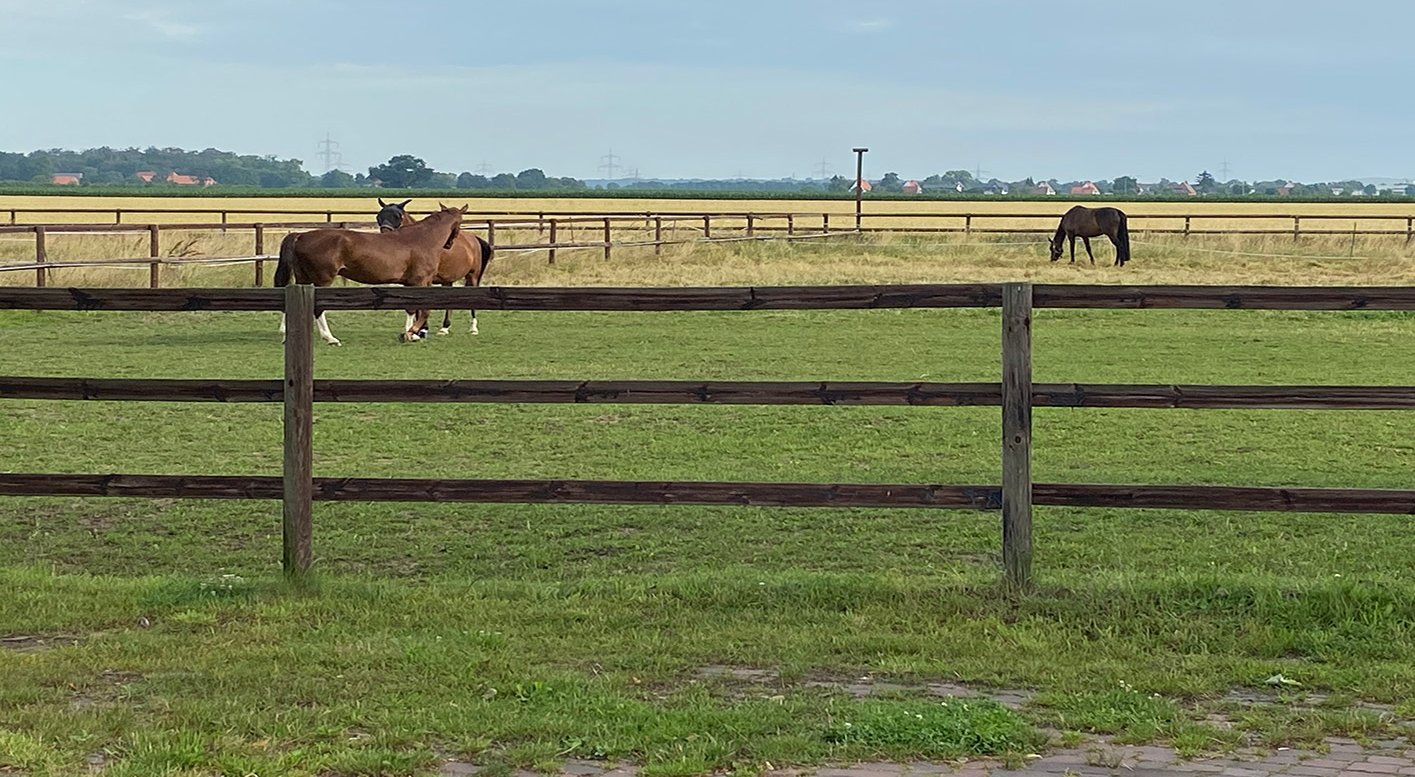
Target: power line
[(824, 169), (609, 163), (483, 168), (329, 152)]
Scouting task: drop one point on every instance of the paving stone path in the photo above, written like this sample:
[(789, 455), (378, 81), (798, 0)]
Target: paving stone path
[(1346, 758)]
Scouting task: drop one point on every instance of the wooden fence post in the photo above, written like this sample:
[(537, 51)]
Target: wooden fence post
[(117, 215), (540, 223), (968, 224), (606, 238), (1017, 434), (825, 223), (298, 491), (1186, 225), (41, 255), (154, 251), (707, 227), (553, 226), (1296, 228), (657, 235), (751, 226), (259, 251), (1409, 229), (14, 215), (790, 224), (491, 232), (329, 217), (223, 222)]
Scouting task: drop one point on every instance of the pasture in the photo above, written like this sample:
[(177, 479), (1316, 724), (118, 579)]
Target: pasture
[(695, 639)]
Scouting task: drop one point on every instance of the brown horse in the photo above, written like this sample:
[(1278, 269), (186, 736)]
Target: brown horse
[(465, 261), (408, 256), (1087, 223)]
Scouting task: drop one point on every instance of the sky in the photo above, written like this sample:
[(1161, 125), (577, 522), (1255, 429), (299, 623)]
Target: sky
[(1077, 89)]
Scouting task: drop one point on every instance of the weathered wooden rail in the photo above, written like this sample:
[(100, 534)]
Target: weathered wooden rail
[(1015, 394)]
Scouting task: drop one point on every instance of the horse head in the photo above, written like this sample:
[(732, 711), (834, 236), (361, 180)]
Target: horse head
[(393, 215), (1056, 249), (455, 215)]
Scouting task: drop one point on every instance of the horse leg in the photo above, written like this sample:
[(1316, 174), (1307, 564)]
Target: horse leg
[(1087, 241), (1073, 248), (324, 329), (473, 279), (446, 318)]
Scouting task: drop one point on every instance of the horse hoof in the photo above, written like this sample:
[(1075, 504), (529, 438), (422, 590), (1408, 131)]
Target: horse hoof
[(443, 332)]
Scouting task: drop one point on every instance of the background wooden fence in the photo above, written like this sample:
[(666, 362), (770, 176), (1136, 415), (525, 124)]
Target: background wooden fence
[(1015, 394), (567, 231)]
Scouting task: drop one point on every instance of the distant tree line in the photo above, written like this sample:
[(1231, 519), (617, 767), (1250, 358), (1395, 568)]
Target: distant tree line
[(121, 166)]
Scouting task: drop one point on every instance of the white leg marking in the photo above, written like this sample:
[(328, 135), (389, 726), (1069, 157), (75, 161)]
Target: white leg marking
[(324, 330), (474, 325), (282, 323)]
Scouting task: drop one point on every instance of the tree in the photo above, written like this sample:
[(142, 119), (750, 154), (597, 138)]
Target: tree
[(1237, 187), (1206, 184), (1125, 184), (402, 172), (504, 181), (838, 184), (890, 183), (336, 179), (532, 178)]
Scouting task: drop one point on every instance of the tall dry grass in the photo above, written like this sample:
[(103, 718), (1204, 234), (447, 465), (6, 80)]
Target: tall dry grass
[(1273, 260)]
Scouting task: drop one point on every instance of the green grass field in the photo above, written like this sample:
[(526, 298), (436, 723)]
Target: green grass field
[(695, 639)]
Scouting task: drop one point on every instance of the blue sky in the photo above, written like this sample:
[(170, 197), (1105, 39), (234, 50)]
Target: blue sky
[(1300, 90)]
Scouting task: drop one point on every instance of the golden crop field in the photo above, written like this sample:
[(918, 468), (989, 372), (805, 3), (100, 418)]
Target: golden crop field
[(920, 213)]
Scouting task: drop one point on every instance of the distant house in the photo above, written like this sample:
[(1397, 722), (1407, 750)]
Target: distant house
[(208, 181), (862, 185), (913, 187), (67, 179), (1285, 190), (183, 180), (1086, 188), (145, 176), (1045, 189), (1185, 189)]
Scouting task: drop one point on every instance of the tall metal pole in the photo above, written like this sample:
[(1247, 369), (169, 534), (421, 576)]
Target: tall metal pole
[(859, 182)]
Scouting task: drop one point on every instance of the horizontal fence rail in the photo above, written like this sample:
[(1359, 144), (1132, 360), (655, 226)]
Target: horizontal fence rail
[(1016, 395), (856, 495), (587, 298), (684, 392)]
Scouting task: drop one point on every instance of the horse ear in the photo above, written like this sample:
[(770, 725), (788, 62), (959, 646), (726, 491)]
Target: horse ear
[(381, 203), (465, 206), (404, 203)]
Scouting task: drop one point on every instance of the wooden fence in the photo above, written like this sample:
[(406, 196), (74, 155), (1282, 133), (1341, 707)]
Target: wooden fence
[(608, 232), (557, 232), (1015, 394)]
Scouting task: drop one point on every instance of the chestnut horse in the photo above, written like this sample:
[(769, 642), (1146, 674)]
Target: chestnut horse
[(465, 261), (1087, 223), (407, 256)]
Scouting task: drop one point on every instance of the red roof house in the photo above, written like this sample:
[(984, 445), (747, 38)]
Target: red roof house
[(67, 179), (913, 187), (145, 176), (183, 180)]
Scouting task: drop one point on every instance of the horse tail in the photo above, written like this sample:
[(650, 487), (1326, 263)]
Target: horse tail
[(486, 251), (285, 267), (1122, 238)]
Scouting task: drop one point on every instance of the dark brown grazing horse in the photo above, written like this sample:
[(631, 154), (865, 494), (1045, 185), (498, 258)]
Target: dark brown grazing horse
[(1087, 223), (465, 261), (407, 256)]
